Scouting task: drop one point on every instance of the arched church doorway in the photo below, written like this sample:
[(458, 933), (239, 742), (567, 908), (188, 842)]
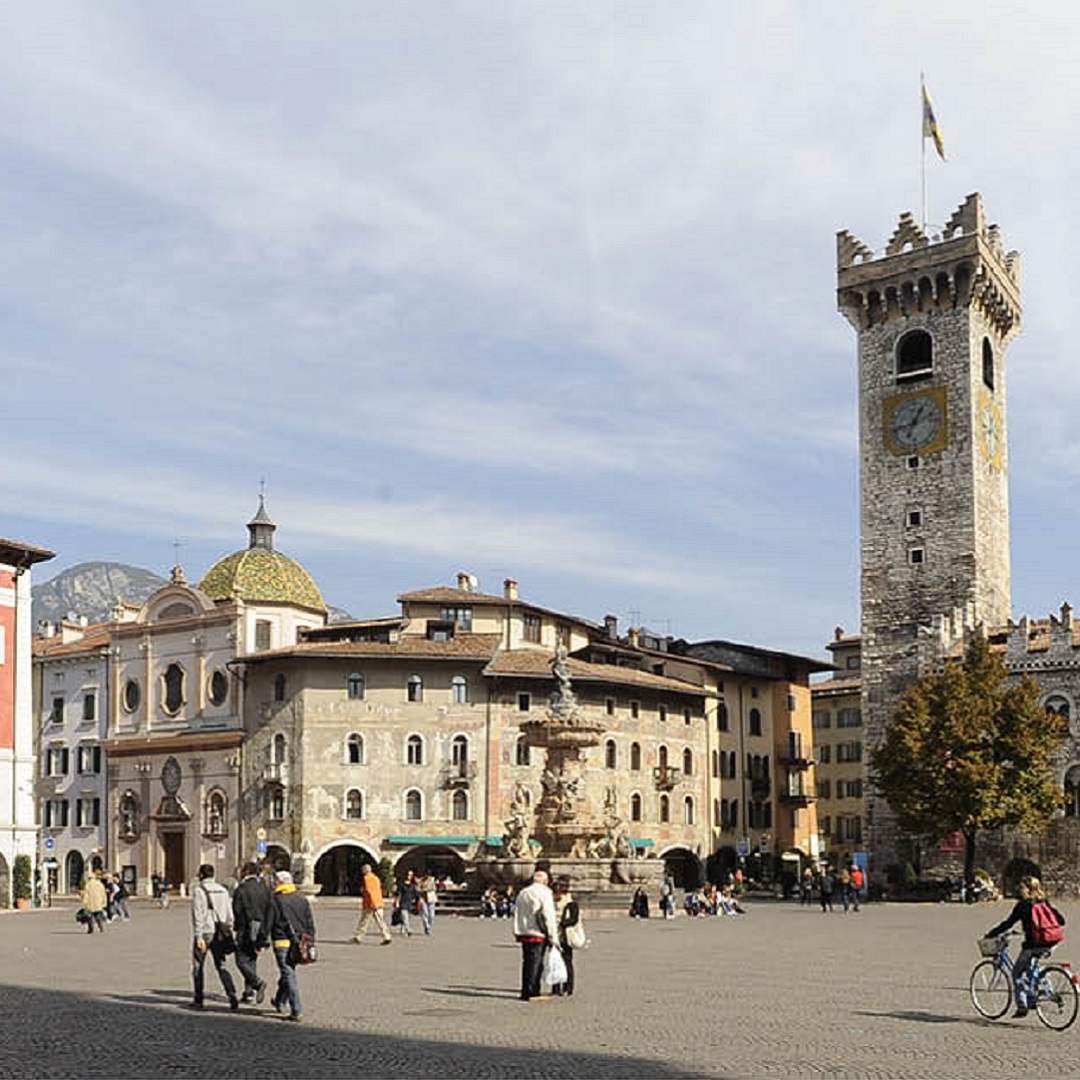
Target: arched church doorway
[(338, 868), (439, 861), (684, 866), (73, 871)]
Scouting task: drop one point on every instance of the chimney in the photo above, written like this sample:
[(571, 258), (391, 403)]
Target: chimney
[(510, 589), (838, 633), (48, 628), (632, 636), (1066, 615), (611, 627), (464, 581)]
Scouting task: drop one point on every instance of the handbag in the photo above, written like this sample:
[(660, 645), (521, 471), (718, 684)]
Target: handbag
[(575, 936), (302, 948), (395, 917), (223, 940), (554, 971), (82, 916)]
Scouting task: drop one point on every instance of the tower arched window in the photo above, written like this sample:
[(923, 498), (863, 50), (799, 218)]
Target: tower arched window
[(459, 805), (355, 686), (414, 750), (665, 809), (354, 749), (414, 805), (662, 757), (415, 689), (755, 721), (688, 762), (459, 690), (988, 364), (688, 810), (722, 720), (354, 804), (635, 807), (278, 749), (914, 356), (611, 755), (635, 757), (459, 752), (276, 803), (1072, 792)]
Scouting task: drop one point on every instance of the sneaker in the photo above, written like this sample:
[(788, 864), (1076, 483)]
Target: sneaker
[(234, 1003), (295, 1017), (1021, 1010), (260, 992), (247, 997), (386, 941)]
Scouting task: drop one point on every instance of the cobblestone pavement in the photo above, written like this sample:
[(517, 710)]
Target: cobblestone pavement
[(785, 991)]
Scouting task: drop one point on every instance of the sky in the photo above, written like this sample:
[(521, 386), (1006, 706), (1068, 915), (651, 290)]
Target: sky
[(530, 290)]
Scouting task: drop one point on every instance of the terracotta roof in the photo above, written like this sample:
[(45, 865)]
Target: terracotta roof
[(447, 594), (536, 663), (17, 553), (94, 636), (461, 647), (840, 685)]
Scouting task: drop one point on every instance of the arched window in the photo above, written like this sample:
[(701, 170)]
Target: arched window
[(915, 355), (688, 810), (414, 688), (459, 690), (459, 750), (661, 757), (665, 809), (414, 750), (414, 805), (354, 804), (172, 687), (132, 695), (988, 364), (459, 805), (1072, 792), (722, 721), (635, 807), (279, 687), (276, 801), (755, 721), (217, 815), (521, 751), (611, 756), (279, 749), (688, 762), (355, 686), (354, 749), (635, 757)]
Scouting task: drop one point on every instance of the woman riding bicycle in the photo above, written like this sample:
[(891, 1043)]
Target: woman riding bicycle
[(1031, 893)]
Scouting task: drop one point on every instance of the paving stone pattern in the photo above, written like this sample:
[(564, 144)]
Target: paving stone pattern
[(786, 991)]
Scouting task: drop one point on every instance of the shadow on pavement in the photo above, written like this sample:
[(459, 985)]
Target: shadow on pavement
[(919, 1017), (473, 991), (46, 1033)]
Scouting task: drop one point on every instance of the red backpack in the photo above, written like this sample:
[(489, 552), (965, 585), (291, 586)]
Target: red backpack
[(1045, 928)]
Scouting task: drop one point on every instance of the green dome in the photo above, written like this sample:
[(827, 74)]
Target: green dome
[(258, 574)]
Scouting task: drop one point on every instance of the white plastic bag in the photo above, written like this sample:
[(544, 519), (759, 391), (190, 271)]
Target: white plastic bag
[(554, 971)]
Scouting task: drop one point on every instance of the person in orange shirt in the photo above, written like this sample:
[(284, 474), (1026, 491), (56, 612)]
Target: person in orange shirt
[(371, 906)]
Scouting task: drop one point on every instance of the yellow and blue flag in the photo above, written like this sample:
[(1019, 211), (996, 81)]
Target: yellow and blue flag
[(930, 127)]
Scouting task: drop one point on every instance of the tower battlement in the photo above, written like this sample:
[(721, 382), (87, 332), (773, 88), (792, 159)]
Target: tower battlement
[(965, 264)]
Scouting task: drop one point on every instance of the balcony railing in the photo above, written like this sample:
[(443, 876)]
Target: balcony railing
[(275, 773), (666, 777), (458, 774)]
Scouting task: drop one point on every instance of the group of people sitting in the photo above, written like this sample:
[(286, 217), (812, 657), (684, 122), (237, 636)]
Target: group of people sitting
[(711, 899), (496, 904)]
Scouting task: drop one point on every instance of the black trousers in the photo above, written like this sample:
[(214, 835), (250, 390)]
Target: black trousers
[(247, 958), (568, 959), (198, 960), (532, 966)]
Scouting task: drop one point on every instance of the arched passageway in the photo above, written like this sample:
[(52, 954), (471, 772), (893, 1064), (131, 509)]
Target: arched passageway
[(439, 861), (684, 866), (338, 869)]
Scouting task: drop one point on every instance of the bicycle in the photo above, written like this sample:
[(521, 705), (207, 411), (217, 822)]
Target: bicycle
[(1051, 988)]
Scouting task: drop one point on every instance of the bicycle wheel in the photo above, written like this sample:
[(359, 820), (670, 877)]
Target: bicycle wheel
[(991, 990), (1056, 998)]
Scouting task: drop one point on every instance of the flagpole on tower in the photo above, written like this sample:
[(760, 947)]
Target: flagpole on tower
[(922, 142), (931, 129)]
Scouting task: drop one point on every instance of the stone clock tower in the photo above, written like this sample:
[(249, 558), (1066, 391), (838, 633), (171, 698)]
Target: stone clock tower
[(933, 318)]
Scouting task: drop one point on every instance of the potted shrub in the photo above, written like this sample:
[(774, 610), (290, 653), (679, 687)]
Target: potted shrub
[(21, 880)]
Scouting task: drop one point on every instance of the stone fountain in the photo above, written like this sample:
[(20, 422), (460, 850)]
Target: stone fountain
[(594, 852)]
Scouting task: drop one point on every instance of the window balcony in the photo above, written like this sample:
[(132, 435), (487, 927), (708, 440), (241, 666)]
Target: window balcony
[(457, 774), (666, 777), (275, 773)]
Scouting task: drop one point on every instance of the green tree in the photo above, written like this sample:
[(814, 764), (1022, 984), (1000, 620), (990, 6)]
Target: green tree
[(969, 751), (23, 872)]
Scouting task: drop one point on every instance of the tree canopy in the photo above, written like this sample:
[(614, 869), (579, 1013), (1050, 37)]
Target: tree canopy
[(969, 750)]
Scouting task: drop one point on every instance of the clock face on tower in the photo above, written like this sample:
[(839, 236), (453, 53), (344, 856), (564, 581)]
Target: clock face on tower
[(990, 440), (916, 423)]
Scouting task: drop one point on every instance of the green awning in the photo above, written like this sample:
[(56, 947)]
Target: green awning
[(640, 842), (493, 841), (429, 841)]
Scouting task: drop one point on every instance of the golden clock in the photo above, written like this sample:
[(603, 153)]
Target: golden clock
[(917, 422), (990, 430)]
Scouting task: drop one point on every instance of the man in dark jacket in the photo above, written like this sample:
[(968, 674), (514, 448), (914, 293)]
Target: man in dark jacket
[(290, 916), (251, 920)]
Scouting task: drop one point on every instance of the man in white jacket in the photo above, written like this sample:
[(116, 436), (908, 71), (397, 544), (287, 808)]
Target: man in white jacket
[(536, 928), (212, 923)]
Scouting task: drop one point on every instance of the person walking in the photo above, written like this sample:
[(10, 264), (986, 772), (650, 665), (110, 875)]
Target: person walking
[(571, 933), (843, 880), (212, 922), (851, 887), (406, 902), (806, 887), (371, 906), (428, 896), (536, 928), (826, 887), (121, 898), (290, 916), (94, 900), (667, 897), (251, 920)]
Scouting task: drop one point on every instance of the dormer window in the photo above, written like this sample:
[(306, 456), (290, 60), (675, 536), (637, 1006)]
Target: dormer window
[(459, 616)]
